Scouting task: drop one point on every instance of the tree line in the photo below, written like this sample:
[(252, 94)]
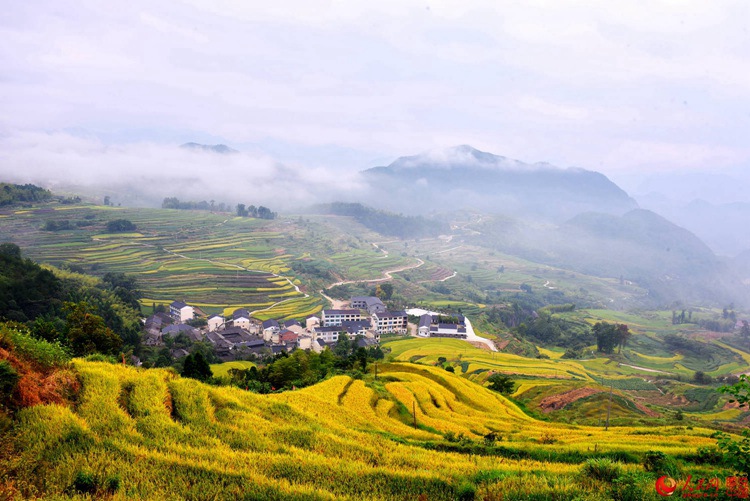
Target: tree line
[(257, 212), (287, 371), (16, 193), (241, 210), (175, 203)]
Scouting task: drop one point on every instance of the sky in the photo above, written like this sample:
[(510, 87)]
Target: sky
[(627, 88)]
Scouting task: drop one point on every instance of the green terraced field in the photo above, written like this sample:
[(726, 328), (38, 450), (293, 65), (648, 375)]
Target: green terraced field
[(215, 261)]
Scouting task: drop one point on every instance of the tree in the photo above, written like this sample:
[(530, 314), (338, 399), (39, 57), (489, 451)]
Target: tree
[(120, 225), (125, 287), (196, 367), (10, 250), (361, 355), (202, 367), (343, 346), (745, 331), (606, 337), (623, 335), (241, 210), (501, 383), (737, 452), (265, 213), (87, 332), (188, 367), (387, 291), (106, 200), (701, 377), (376, 353)]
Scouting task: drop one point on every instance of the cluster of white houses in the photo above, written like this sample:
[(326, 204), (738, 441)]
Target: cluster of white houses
[(241, 334)]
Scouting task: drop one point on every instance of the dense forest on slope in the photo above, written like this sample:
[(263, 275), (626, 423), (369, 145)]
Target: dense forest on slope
[(84, 313), (383, 222)]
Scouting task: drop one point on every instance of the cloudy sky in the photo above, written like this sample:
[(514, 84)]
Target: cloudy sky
[(622, 87)]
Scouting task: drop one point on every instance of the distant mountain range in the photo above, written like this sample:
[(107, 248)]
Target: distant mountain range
[(639, 246), (720, 225), (214, 148), (464, 177), (571, 218)]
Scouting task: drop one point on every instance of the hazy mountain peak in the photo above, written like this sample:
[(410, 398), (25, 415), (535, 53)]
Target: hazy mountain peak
[(214, 148), (464, 177), (461, 156)]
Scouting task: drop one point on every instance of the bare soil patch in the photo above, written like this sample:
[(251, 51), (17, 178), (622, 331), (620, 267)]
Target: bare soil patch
[(557, 402)]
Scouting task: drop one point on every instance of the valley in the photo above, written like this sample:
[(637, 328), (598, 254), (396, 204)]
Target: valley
[(422, 420)]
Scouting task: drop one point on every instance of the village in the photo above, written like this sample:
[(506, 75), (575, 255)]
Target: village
[(242, 336)]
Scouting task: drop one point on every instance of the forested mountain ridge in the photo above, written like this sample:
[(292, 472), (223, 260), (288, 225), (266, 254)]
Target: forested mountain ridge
[(463, 177), (384, 222)]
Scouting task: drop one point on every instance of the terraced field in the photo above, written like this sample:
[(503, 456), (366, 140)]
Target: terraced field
[(341, 439), (549, 378), (216, 262)]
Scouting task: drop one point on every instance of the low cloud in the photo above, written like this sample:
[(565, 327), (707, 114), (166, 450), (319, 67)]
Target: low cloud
[(146, 173)]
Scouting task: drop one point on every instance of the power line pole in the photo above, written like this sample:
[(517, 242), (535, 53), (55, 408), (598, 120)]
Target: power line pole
[(609, 405)]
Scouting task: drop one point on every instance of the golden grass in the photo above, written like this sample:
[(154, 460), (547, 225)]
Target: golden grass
[(163, 435)]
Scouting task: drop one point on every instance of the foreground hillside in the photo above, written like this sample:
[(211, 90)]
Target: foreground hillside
[(136, 433)]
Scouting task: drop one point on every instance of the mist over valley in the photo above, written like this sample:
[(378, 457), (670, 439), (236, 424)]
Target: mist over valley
[(374, 251)]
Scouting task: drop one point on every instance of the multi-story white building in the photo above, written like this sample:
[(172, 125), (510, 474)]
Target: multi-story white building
[(390, 321), (329, 334), (181, 312), (336, 317)]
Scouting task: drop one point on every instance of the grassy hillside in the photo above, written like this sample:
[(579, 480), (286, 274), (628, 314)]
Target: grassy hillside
[(135, 433), (576, 391)]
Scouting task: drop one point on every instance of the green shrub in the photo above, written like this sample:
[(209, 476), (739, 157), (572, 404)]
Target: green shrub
[(450, 436), (708, 455), (623, 457), (466, 492), (8, 381), (100, 357), (44, 353), (661, 464), (603, 469), (84, 482), (736, 452), (629, 487), (112, 483)]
